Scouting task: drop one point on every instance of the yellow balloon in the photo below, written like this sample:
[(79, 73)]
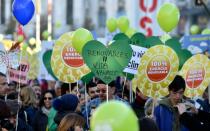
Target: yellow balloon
[(7, 44)]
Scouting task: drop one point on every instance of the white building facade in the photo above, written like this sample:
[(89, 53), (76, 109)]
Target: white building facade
[(68, 15)]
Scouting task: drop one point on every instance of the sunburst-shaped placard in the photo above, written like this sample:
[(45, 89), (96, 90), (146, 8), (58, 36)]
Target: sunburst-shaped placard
[(196, 73), (157, 69), (67, 64)]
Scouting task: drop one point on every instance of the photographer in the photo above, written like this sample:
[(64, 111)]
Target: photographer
[(194, 119), (21, 125)]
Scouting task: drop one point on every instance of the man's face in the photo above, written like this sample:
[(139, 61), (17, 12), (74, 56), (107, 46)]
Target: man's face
[(58, 91), (101, 90), (92, 92), (176, 96), (3, 85)]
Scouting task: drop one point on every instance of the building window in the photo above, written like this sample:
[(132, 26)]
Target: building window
[(69, 13), (102, 17), (121, 8), (2, 12)]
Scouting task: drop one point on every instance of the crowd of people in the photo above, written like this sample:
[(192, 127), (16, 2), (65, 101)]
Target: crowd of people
[(44, 105)]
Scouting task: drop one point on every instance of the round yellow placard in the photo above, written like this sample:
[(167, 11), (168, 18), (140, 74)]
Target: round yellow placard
[(67, 65), (196, 73), (158, 67)]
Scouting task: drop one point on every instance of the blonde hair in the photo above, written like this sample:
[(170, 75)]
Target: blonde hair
[(70, 121), (28, 96)]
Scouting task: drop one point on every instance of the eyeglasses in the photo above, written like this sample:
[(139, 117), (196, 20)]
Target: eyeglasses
[(49, 98)]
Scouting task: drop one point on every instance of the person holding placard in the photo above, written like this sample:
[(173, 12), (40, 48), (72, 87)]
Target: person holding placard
[(166, 113), (102, 93)]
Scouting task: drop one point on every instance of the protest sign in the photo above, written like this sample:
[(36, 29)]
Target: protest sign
[(107, 62)]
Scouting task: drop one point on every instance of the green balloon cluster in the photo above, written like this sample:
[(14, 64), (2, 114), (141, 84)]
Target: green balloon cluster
[(111, 24), (123, 23), (168, 17), (80, 37), (130, 32), (114, 116)]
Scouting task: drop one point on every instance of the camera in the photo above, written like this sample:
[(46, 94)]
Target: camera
[(5, 123)]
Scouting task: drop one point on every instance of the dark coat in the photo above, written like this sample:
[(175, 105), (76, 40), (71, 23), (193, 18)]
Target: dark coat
[(27, 114), (196, 122), (40, 121), (23, 126), (138, 109)]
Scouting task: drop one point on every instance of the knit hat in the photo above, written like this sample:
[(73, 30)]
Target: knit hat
[(67, 102)]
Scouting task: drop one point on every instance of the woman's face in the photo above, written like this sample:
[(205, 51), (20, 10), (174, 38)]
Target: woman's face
[(78, 128), (48, 100)]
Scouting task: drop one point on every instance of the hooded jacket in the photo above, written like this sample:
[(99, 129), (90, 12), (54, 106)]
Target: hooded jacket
[(167, 117)]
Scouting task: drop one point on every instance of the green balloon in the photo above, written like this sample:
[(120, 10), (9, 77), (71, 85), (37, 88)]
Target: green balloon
[(205, 32), (87, 78), (138, 39), (128, 76), (20, 38), (152, 41), (58, 24), (47, 63), (168, 17), (130, 32), (123, 23), (80, 37), (24, 46), (111, 24), (183, 55), (194, 29), (120, 36), (45, 34), (114, 116), (174, 44), (165, 37)]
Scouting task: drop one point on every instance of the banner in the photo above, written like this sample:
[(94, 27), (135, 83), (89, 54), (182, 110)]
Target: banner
[(20, 74), (107, 62), (197, 43), (138, 52)]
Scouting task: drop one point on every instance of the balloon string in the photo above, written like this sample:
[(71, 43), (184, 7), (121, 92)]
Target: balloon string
[(131, 93), (78, 89), (86, 102), (69, 87), (21, 54), (107, 93), (124, 85), (8, 71)]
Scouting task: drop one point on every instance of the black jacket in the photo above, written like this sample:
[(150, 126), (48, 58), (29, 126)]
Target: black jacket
[(196, 122), (40, 121)]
